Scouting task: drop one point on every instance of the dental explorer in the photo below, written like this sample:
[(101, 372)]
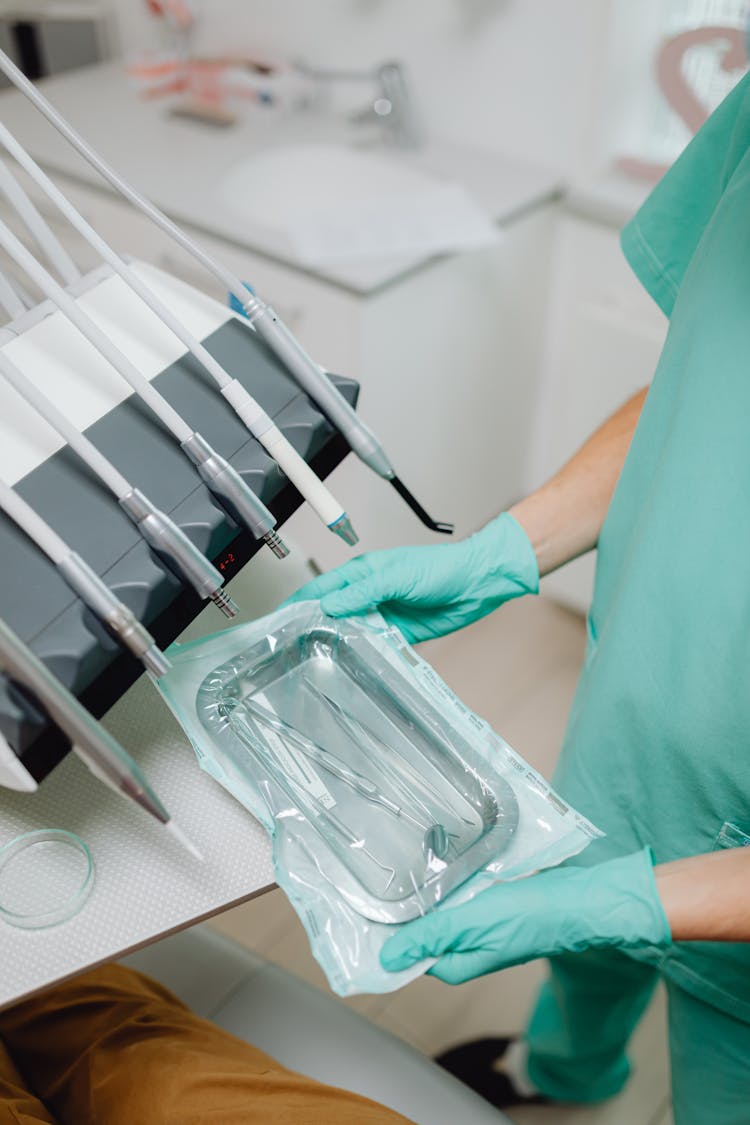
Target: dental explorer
[(223, 482), (104, 756), (169, 542), (252, 415), (114, 615), (310, 376)]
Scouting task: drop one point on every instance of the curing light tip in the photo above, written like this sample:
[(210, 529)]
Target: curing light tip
[(343, 528), (180, 836), (227, 606)]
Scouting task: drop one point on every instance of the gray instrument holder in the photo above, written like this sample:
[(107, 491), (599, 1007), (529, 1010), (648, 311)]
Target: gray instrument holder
[(38, 605)]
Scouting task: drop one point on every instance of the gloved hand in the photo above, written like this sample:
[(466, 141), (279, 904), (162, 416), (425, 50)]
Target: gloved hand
[(430, 591), (566, 909)]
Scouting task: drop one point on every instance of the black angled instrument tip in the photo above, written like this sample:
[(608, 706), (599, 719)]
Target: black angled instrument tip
[(416, 507)]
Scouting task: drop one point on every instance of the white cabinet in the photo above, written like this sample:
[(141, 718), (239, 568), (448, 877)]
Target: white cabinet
[(603, 342)]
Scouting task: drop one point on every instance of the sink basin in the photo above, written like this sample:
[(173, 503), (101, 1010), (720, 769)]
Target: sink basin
[(292, 180), (326, 202)]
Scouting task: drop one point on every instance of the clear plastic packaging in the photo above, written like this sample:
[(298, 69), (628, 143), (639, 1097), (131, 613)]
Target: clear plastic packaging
[(383, 794)]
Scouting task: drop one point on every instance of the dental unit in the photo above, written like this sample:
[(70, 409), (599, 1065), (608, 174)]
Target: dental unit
[(168, 541), (275, 334), (113, 614), (103, 755), (223, 482), (253, 417)]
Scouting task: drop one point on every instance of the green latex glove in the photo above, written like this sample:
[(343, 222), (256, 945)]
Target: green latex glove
[(430, 591), (566, 909)]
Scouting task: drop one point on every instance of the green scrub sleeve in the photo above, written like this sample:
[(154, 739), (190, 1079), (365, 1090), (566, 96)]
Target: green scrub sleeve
[(659, 242)]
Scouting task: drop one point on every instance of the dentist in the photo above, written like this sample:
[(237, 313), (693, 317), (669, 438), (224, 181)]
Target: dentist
[(657, 751)]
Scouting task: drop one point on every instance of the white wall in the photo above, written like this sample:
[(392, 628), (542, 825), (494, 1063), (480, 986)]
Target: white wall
[(521, 76)]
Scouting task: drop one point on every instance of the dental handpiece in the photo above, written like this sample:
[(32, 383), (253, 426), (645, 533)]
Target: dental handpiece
[(101, 752), (252, 415), (114, 615), (168, 541), (224, 483), (313, 380)]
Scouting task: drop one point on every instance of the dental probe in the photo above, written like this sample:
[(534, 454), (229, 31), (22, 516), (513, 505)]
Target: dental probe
[(104, 756), (312, 378), (223, 482), (114, 615), (168, 541), (53, 249), (252, 415)]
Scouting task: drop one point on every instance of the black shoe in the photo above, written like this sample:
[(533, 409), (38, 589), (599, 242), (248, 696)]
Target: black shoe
[(473, 1063)]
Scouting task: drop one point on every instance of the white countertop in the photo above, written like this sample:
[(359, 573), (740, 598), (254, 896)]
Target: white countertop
[(179, 164), (146, 885)]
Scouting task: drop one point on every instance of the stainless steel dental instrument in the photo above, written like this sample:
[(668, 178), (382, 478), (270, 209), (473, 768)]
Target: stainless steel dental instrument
[(356, 781), (359, 733), (310, 376), (114, 615), (244, 405), (436, 838), (168, 541), (223, 482), (101, 752), (294, 791)]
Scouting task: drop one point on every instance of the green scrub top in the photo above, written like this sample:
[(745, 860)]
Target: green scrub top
[(657, 749)]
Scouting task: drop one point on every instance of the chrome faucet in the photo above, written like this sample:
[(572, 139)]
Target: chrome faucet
[(391, 108)]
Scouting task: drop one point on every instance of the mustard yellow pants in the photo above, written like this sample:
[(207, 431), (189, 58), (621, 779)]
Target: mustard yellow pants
[(115, 1048)]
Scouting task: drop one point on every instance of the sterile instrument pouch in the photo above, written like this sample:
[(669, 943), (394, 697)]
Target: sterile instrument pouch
[(384, 796)]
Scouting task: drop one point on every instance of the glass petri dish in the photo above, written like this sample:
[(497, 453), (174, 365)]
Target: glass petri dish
[(45, 878)]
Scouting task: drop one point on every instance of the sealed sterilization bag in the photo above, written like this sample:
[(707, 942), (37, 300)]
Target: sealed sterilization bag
[(384, 796)]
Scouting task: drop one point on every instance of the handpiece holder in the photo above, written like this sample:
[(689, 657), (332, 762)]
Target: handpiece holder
[(53, 623)]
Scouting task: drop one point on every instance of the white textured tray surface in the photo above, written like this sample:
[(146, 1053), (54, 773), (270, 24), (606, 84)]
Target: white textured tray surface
[(146, 884)]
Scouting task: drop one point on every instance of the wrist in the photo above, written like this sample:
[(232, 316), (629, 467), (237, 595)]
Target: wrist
[(536, 515), (505, 552), (632, 914)]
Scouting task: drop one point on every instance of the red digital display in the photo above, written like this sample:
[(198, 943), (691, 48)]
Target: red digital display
[(227, 561)]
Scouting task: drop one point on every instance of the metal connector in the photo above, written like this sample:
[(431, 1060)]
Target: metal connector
[(114, 615), (277, 544), (228, 488), (175, 550), (222, 601)]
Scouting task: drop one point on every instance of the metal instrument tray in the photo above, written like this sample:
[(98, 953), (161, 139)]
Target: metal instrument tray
[(395, 794)]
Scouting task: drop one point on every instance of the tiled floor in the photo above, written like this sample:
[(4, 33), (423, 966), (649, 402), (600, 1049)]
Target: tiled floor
[(518, 670)]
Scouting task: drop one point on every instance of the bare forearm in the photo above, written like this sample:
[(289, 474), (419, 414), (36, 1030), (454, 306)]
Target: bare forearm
[(564, 517), (707, 897)]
